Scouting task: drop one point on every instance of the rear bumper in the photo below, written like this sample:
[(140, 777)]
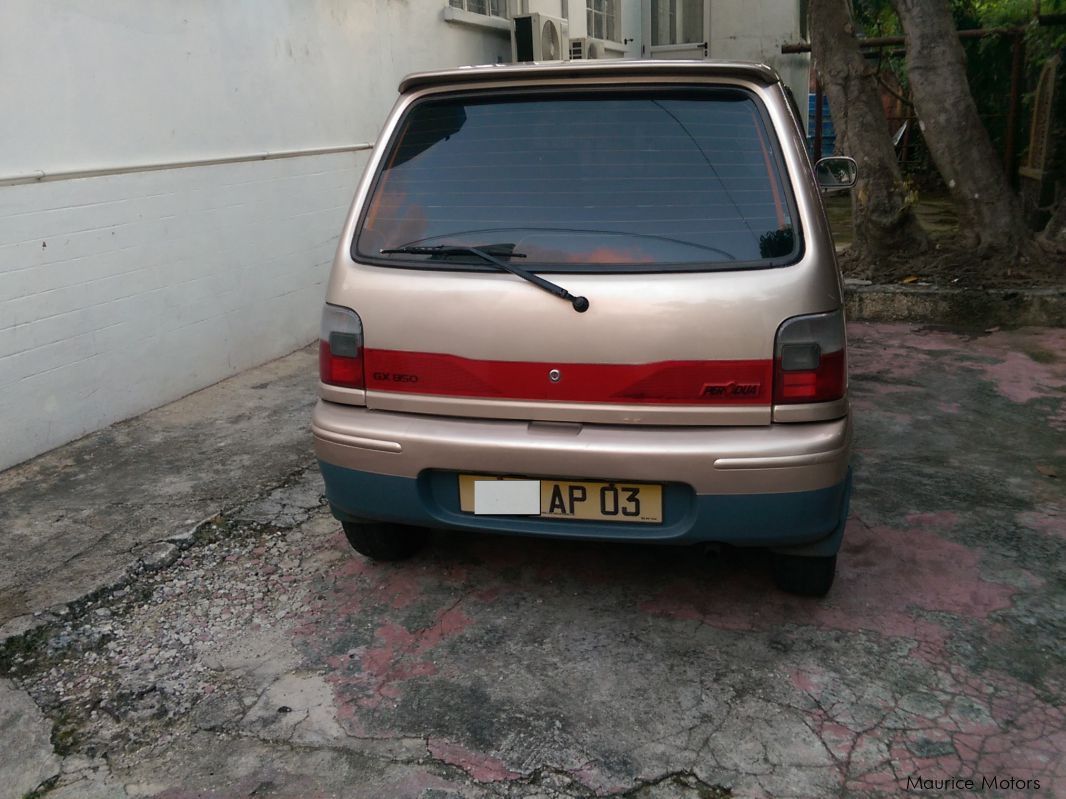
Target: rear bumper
[(778, 485)]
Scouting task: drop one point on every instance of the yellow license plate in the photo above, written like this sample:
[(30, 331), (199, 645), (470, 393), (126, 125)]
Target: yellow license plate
[(571, 499)]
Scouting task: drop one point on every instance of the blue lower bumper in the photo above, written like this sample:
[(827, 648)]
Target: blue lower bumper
[(809, 522)]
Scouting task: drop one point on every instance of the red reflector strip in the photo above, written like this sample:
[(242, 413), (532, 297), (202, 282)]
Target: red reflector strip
[(746, 382), (799, 385), (338, 371), (823, 384)]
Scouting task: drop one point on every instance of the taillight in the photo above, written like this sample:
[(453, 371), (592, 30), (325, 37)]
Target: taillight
[(340, 348), (810, 359)]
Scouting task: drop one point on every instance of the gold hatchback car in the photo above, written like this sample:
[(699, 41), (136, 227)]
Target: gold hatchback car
[(591, 300)]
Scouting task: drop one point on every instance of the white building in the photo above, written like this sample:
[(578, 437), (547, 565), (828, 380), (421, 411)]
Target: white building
[(173, 175)]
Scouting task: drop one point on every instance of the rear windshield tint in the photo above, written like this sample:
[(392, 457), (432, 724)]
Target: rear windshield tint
[(632, 180)]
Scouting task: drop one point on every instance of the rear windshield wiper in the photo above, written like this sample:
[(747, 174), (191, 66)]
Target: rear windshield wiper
[(581, 304)]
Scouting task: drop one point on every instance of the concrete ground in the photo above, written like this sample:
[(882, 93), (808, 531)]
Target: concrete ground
[(261, 657), (80, 517)]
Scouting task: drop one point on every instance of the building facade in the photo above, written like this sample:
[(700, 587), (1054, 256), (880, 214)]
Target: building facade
[(173, 176)]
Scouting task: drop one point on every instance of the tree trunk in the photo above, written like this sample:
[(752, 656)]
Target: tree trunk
[(990, 217), (1054, 235), (885, 223)]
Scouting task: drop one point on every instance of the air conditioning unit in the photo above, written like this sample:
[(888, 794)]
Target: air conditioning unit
[(538, 37), (589, 47)]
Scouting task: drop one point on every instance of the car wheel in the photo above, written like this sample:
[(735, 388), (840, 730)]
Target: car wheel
[(805, 576), (381, 541)]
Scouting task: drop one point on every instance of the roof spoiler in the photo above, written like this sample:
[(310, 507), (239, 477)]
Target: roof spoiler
[(607, 68)]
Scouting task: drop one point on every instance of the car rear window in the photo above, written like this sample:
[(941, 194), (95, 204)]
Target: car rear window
[(617, 180)]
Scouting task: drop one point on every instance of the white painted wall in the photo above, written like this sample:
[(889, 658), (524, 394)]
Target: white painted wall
[(561, 8), (120, 81), (740, 30), (121, 293), (118, 294), (754, 30)]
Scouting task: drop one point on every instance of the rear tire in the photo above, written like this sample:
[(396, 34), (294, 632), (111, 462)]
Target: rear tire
[(381, 541), (805, 576)]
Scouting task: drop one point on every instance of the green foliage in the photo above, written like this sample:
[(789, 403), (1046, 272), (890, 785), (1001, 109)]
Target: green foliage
[(998, 13), (989, 59), (876, 17), (43, 789)]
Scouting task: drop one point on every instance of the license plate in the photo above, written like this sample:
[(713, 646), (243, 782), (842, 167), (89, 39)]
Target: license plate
[(573, 499)]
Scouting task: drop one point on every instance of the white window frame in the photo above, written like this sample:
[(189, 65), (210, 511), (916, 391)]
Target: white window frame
[(486, 22), (682, 49), (612, 20), (503, 7)]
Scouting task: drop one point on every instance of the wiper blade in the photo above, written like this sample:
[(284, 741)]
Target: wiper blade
[(499, 250), (581, 304)]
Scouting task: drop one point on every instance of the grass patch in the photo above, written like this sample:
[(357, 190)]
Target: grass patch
[(1041, 356), (18, 654), (43, 789)]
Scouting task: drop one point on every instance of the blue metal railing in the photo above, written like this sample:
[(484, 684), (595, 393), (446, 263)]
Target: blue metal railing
[(829, 136)]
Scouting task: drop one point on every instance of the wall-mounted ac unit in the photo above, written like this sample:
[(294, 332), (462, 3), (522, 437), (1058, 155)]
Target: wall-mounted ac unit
[(589, 47), (538, 37)]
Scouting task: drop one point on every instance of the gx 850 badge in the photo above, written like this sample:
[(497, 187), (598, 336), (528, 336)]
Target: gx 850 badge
[(394, 377)]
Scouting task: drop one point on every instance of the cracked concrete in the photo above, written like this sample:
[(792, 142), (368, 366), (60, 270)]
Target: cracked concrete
[(264, 658), (78, 518), (28, 760)]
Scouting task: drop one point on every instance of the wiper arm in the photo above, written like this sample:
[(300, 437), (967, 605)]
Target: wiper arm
[(581, 304)]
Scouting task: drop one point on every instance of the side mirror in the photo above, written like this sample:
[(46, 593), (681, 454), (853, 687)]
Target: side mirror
[(836, 173)]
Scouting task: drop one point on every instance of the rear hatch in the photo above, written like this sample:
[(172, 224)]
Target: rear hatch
[(668, 207)]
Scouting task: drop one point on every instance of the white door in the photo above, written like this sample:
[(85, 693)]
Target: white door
[(676, 28)]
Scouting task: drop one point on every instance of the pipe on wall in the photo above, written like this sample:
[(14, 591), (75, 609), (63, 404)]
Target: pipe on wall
[(96, 172)]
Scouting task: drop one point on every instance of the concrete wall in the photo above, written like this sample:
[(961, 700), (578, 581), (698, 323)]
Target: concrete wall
[(123, 81), (120, 293), (754, 30)]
